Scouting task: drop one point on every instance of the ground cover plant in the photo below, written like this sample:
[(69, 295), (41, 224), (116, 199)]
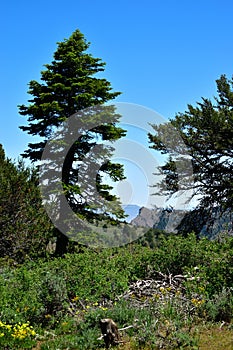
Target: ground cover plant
[(57, 303)]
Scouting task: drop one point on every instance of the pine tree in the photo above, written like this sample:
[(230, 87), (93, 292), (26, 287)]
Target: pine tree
[(206, 130), (69, 85)]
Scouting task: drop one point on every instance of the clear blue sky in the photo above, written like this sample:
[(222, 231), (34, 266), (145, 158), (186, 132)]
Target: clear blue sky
[(160, 54)]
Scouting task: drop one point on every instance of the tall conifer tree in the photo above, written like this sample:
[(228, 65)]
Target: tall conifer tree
[(69, 85)]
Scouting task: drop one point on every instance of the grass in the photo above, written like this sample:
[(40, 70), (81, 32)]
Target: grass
[(213, 337)]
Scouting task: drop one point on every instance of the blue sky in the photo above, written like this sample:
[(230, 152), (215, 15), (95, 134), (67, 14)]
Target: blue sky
[(159, 54)]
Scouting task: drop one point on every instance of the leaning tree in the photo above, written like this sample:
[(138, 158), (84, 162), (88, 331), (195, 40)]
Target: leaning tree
[(70, 86), (206, 130)]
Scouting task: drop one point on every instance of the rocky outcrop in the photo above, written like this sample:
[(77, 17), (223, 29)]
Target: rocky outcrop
[(163, 219), (170, 220)]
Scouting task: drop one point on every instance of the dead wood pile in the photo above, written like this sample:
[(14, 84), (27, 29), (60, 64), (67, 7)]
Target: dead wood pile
[(142, 292)]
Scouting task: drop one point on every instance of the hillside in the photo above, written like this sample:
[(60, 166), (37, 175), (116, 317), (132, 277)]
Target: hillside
[(177, 295)]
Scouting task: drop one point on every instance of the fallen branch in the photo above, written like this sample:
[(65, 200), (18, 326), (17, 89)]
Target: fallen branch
[(123, 329)]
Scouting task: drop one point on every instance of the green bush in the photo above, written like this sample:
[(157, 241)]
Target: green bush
[(220, 307), (25, 228)]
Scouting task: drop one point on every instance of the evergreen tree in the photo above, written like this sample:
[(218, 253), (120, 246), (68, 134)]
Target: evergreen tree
[(207, 132), (69, 85), (25, 229)]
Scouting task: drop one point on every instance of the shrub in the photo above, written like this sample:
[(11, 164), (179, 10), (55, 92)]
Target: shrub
[(25, 228)]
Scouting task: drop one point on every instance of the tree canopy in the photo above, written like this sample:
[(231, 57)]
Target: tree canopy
[(69, 85), (207, 132)]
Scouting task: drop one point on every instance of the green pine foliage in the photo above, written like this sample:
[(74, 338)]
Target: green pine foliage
[(206, 130), (24, 226), (68, 85)]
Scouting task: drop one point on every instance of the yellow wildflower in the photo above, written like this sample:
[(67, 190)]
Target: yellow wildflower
[(75, 298), (162, 290)]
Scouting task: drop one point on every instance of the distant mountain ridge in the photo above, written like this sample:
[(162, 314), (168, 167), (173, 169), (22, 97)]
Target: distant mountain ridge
[(160, 218), (169, 220)]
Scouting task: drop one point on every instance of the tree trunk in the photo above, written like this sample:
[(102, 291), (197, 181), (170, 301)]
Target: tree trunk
[(61, 244)]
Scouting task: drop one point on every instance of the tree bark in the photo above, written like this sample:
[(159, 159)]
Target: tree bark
[(61, 244)]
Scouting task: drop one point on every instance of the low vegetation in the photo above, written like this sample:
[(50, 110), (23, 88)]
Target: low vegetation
[(57, 303)]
